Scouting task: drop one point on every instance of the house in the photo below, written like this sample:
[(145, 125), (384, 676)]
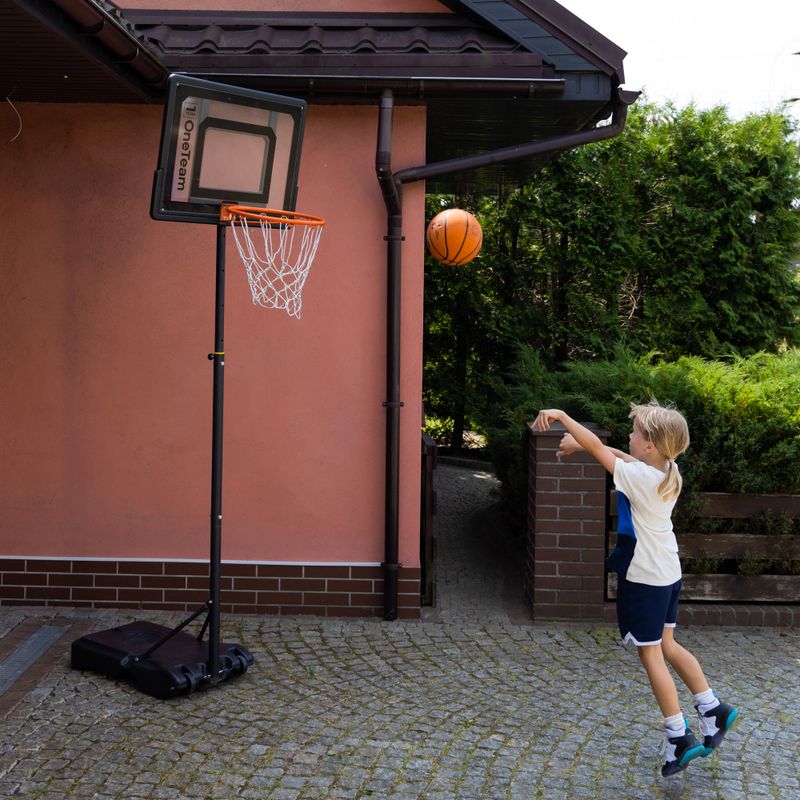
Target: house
[(108, 315)]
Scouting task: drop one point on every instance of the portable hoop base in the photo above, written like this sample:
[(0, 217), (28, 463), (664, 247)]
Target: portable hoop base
[(178, 667), (165, 662)]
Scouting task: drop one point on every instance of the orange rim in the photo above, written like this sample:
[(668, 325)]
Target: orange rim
[(229, 213)]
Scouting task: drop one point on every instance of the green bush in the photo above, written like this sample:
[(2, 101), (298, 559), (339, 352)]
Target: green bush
[(743, 415), (440, 430)]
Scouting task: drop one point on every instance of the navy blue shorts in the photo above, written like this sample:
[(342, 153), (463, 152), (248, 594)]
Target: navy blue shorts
[(644, 611)]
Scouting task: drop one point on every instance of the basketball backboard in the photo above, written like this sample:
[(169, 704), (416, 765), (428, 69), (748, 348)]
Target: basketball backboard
[(225, 144)]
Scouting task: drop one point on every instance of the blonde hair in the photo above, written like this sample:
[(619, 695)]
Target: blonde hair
[(666, 429)]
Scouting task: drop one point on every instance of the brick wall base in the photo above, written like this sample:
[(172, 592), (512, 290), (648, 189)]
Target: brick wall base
[(246, 588), (734, 615)]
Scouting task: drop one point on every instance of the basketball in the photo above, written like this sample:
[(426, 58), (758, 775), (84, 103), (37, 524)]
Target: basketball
[(454, 237)]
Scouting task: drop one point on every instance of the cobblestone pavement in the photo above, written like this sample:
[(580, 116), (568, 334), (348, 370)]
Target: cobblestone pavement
[(440, 709)]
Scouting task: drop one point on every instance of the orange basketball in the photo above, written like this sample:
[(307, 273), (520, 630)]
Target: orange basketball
[(454, 236)]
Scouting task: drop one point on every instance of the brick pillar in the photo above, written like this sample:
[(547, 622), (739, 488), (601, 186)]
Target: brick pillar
[(565, 571)]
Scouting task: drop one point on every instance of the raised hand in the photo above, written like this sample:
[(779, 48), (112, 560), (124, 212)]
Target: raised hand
[(546, 417), (567, 445)]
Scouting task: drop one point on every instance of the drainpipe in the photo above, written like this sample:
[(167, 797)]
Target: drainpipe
[(391, 187), (394, 236)]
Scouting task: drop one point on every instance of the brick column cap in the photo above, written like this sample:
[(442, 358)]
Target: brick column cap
[(557, 429)]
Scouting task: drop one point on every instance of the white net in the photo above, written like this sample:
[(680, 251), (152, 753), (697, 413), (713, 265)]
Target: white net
[(277, 256)]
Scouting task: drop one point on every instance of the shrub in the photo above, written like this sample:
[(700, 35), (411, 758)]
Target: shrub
[(743, 415)]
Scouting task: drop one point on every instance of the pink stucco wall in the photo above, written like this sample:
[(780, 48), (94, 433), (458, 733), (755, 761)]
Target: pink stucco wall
[(107, 319)]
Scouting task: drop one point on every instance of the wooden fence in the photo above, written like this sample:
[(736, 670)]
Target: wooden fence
[(734, 549)]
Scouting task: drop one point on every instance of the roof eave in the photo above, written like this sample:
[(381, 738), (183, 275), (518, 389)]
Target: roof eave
[(89, 27), (553, 17)]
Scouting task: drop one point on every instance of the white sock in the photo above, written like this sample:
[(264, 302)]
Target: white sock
[(705, 701), (675, 725)]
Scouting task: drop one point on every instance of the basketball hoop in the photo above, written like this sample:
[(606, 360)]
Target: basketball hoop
[(277, 248)]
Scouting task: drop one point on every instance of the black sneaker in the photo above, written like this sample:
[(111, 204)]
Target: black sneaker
[(715, 724), (679, 751)]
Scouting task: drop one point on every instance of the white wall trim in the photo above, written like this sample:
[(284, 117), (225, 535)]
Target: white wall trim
[(198, 561)]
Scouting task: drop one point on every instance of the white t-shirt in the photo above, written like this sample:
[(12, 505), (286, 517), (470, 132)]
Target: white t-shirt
[(655, 559)]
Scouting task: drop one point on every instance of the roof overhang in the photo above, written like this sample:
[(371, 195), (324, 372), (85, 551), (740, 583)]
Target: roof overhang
[(490, 74), (483, 88), (61, 51)]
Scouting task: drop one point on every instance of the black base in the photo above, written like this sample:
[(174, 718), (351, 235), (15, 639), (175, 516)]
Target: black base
[(179, 666)]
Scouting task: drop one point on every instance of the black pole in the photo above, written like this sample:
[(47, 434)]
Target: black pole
[(218, 357)]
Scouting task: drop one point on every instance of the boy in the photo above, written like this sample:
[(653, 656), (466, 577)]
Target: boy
[(648, 483)]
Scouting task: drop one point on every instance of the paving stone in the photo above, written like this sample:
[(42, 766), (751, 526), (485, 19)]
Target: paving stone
[(474, 702)]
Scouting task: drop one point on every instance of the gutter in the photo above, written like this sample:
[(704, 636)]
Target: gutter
[(99, 34), (554, 144), (344, 87), (391, 187)]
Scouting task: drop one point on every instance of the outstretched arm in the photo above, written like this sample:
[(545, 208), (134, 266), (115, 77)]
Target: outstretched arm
[(587, 440), (568, 445)]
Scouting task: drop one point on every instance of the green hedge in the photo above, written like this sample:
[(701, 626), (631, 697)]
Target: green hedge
[(743, 415)]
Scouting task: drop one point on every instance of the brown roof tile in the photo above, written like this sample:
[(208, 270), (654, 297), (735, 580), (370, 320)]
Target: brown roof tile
[(175, 35)]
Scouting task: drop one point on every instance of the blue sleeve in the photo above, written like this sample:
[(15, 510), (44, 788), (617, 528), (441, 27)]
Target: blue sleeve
[(621, 556)]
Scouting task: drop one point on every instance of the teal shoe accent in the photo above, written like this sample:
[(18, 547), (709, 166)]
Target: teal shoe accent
[(691, 754), (711, 743), (729, 723), (686, 749), (674, 767)]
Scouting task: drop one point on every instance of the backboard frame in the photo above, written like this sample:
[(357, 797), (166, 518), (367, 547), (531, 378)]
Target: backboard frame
[(201, 195)]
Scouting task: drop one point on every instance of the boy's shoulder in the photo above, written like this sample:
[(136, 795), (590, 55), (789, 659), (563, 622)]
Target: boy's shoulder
[(635, 465), (635, 472), (629, 464)]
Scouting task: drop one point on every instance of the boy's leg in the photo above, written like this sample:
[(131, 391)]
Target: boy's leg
[(661, 680), (716, 718), (642, 610), (680, 745), (684, 663)]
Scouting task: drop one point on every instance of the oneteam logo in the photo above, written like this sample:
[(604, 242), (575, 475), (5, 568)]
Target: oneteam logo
[(185, 145), (184, 149)]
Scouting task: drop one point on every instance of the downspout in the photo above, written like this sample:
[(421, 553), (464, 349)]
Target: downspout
[(391, 187), (392, 197)]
